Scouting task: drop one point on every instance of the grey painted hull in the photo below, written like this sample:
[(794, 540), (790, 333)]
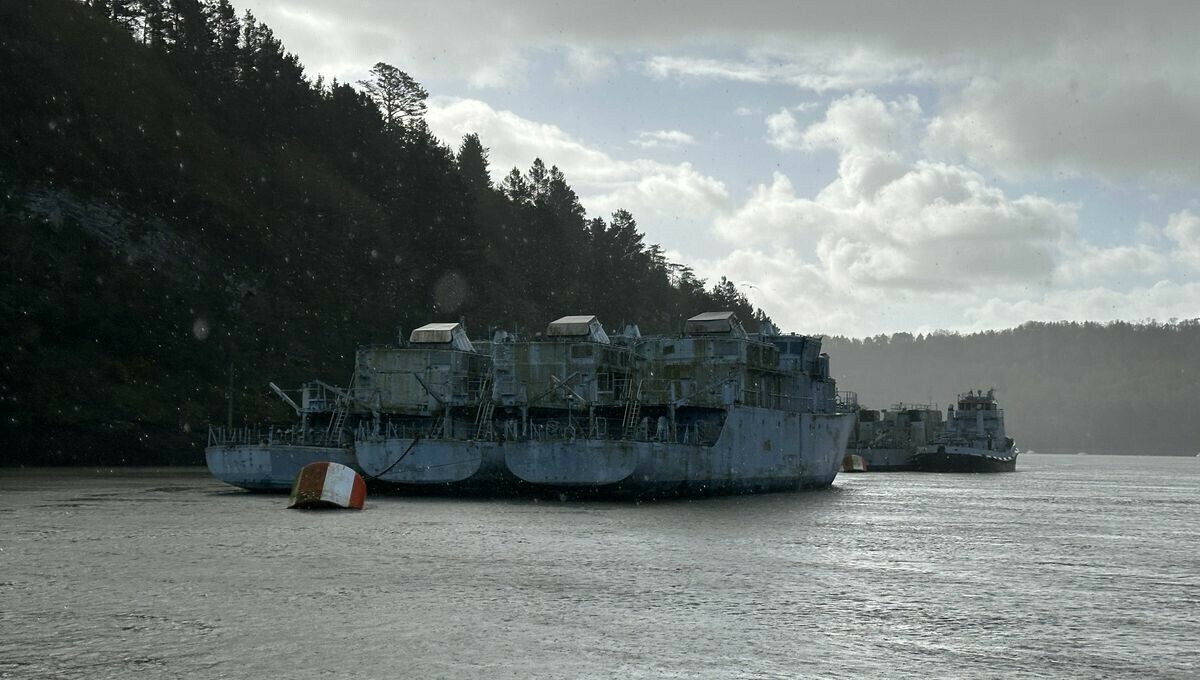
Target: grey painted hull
[(431, 463), (269, 467), (885, 460), (759, 450)]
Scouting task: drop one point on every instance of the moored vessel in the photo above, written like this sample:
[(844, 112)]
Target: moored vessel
[(269, 458), (974, 439), (887, 439), (713, 410)]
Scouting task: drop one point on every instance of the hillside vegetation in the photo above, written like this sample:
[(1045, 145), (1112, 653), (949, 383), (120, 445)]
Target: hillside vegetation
[(177, 197)]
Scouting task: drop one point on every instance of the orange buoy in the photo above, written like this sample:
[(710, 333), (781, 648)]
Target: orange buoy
[(328, 485), (854, 463)]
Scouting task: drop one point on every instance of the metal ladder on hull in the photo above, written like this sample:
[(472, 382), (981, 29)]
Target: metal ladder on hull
[(483, 417), (341, 411), (633, 409)]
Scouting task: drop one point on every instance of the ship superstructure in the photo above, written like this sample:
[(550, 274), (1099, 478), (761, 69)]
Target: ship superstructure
[(887, 439), (974, 439)]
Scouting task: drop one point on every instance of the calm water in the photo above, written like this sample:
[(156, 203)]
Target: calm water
[(1081, 566)]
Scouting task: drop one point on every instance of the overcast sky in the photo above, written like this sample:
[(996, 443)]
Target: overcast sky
[(857, 168)]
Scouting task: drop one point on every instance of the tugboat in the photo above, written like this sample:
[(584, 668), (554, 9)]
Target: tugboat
[(973, 441)]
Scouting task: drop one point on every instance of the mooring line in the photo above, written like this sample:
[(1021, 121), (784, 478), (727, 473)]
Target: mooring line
[(396, 462)]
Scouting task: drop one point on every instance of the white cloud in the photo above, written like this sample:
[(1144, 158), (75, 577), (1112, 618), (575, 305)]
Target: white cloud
[(906, 233), (893, 241), (585, 65), (506, 70), (819, 66), (671, 201), (864, 123), (662, 138), (934, 226), (1081, 87), (1184, 229), (1084, 264), (1162, 300), (1055, 124), (783, 131)]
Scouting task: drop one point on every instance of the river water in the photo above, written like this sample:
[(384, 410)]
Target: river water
[(1075, 566)]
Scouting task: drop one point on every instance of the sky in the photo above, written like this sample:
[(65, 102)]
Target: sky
[(855, 167)]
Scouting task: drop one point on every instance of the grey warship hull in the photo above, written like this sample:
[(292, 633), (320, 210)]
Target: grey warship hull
[(759, 450), (429, 464), (269, 467)]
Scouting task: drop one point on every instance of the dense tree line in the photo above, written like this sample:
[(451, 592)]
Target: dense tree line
[(179, 198), (1099, 388)]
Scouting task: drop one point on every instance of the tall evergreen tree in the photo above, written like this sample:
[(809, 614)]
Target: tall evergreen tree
[(624, 235), (473, 164), (398, 96), (125, 13), (562, 200), (539, 181), (516, 188), (154, 22), (226, 32)]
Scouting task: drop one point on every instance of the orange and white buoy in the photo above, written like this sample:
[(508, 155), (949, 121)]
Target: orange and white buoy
[(328, 485), (853, 462)]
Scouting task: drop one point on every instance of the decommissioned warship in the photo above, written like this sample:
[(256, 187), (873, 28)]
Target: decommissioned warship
[(887, 439), (269, 458), (712, 410), (973, 441)]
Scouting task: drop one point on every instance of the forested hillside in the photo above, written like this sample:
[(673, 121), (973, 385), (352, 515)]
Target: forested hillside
[(178, 197), (1100, 388)]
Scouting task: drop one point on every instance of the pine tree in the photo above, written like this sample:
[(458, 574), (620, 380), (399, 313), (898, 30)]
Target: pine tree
[(227, 31), (473, 164), (539, 181), (516, 188), (125, 13), (154, 22), (398, 96), (562, 200), (626, 240)]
